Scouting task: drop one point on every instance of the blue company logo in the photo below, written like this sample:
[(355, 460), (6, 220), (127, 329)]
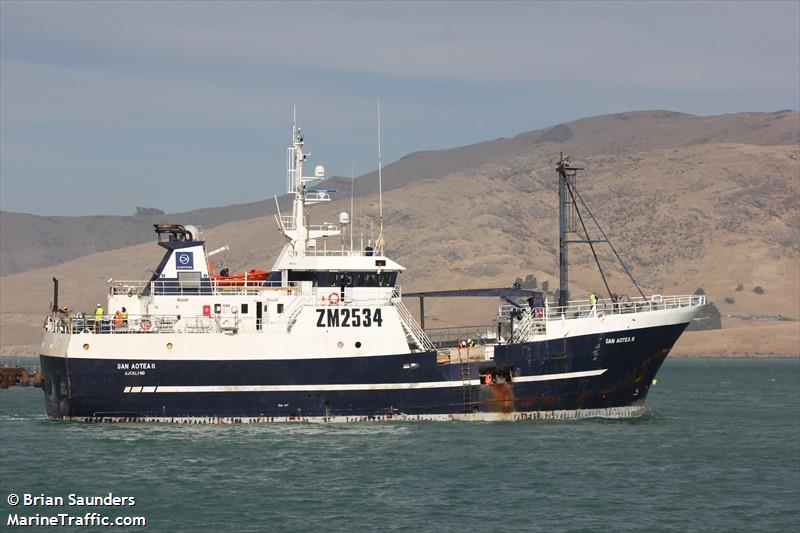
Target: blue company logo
[(184, 261)]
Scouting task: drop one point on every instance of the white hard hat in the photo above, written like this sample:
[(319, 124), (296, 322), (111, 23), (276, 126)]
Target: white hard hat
[(98, 305)]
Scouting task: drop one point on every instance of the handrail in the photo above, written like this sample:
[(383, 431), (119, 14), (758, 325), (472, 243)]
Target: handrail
[(287, 222), (523, 328), (317, 196), (207, 286), (365, 296), (328, 226), (110, 324), (144, 324), (606, 306), (657, 302), (294, 309), (315, 252), (453, 335), (414, 329)]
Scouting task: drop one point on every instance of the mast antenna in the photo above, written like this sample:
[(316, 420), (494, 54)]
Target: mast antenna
[(290, 177), (352, 200), (380, 242)]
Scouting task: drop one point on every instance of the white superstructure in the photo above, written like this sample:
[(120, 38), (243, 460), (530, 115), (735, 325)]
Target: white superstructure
[(321, 299)]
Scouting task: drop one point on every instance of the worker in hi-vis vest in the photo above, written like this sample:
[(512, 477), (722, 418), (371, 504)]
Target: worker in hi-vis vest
[(593, 302), (98, 318)]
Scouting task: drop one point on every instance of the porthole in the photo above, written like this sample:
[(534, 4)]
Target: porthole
[(358, 344), (340, 344), (86, 347), (169, 346)]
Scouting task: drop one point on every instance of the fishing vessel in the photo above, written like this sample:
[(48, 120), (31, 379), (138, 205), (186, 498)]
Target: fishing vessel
[(324, 336)]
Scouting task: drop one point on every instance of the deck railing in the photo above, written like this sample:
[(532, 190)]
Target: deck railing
[(413, 328), (319, 252), (206, 286), (606, 306), (289, 224), (452, 336), (143, 324)]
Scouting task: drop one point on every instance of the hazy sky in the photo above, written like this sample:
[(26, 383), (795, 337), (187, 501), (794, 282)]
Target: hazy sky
[(180, 105)]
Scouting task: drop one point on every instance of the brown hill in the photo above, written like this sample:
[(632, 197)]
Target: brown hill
[(28, 241), (709, 215)]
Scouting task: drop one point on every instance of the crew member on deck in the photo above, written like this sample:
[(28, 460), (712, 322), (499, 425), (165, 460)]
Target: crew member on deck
[(98, 318), (593, 302)]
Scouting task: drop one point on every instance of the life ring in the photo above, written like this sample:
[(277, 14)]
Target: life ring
[(145, 324), (539, 312), (333, 298)]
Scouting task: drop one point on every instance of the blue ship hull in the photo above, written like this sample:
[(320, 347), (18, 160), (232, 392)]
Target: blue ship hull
[(571, 374)]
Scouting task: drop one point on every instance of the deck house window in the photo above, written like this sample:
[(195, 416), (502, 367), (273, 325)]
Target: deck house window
[(189, 281)]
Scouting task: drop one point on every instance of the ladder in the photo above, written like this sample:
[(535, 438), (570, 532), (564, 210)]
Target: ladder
[(528, 327), (410, 339), (412, 329), (293, 312), (466, 380)]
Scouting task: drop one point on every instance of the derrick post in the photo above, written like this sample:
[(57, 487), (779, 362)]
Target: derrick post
[(563, 271)]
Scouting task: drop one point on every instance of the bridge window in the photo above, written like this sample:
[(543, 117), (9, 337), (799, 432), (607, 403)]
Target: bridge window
[(363, 279), (346, 279)]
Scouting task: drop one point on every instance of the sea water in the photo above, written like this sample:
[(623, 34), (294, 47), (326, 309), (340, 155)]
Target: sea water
[(718, 450)]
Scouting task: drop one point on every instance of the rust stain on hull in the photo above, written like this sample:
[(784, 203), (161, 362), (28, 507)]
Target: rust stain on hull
[(497, 398)]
